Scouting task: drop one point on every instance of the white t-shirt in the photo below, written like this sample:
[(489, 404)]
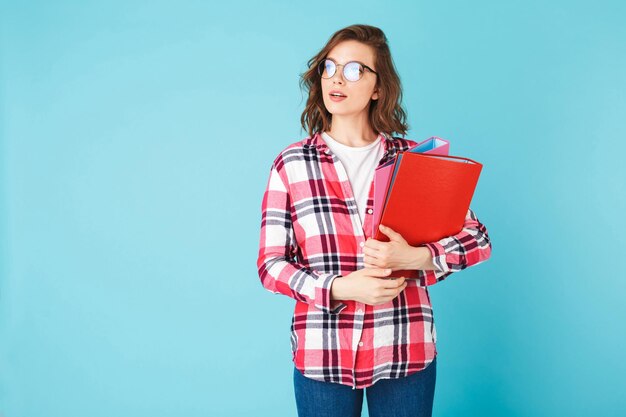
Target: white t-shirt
[(360, 163)]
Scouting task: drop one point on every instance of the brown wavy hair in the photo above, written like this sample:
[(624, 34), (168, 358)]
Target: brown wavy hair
[(385, 114)]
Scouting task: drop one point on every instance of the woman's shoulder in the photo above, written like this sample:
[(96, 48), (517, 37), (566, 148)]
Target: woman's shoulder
[(401, 144), (297, 151)]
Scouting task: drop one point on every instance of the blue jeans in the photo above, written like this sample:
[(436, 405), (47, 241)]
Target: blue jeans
[(411, 396)]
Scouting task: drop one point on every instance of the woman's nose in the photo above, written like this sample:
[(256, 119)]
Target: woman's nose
[(338, 76)]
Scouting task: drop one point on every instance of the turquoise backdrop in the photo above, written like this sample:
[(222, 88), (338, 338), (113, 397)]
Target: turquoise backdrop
[(136, 139)]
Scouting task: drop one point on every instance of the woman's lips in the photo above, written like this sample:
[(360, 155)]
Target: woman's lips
[(337, 98)]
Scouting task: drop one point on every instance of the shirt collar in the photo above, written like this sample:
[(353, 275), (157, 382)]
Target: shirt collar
[(391, 145)]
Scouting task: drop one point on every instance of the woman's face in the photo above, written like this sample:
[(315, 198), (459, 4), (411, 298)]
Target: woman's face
[(358, 93)]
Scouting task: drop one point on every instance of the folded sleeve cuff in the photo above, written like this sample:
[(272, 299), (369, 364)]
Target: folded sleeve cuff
[(322, 295), (438, 253)]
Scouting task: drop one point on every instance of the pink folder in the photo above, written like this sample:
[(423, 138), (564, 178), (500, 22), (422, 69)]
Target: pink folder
[(433, 145)]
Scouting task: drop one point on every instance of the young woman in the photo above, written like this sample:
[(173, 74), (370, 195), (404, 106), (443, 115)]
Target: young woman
[(353, 331)]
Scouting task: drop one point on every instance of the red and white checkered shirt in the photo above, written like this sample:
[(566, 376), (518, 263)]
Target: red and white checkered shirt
[(312, 233)]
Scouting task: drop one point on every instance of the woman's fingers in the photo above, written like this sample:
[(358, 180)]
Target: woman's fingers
[(391, 293), (379, 272), (383, 289), (370, 251), (393, 282), (371, 257), (373, 244), (372, 262)]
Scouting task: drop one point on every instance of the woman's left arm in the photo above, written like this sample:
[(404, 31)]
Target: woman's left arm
[(435, 260)]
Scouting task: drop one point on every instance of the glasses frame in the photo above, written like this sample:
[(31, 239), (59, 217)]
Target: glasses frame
[(320, 71)]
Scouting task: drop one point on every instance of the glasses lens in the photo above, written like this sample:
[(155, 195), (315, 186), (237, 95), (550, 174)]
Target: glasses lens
[(352, 71), (327, 68)]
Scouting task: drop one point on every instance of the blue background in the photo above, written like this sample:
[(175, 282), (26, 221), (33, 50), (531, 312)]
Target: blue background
[(136, 141)]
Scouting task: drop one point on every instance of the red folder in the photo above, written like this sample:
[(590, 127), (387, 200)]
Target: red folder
[(432, 145), (427, 198)]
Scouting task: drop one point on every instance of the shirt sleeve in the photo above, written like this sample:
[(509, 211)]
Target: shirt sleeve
[(469, 247), (278, 270)]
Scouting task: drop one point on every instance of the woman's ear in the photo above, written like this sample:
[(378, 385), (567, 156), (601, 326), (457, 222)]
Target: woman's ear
[(375, 95)]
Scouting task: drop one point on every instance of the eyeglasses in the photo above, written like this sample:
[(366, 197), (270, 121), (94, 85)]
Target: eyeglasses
[(352, 71)]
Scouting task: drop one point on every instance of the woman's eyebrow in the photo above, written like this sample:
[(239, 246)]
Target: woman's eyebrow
[(350, 60)]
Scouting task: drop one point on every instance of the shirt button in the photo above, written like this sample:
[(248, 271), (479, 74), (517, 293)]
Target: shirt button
[(359, 311), (370, 211), (360, 343), (362, 244), (327, 151)]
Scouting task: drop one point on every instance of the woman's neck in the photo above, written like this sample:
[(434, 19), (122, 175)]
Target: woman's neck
[(351, 132)]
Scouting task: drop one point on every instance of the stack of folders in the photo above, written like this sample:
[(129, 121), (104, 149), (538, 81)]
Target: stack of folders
[(423, 194)]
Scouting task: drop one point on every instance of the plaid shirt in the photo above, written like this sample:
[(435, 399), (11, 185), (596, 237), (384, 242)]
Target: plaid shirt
[(311, 234)]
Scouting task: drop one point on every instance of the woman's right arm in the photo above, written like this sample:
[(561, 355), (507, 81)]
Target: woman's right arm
[(277, 268), (281, 274)]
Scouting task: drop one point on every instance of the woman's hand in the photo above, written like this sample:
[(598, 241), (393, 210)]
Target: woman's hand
[(367, 285), (395, 254)]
